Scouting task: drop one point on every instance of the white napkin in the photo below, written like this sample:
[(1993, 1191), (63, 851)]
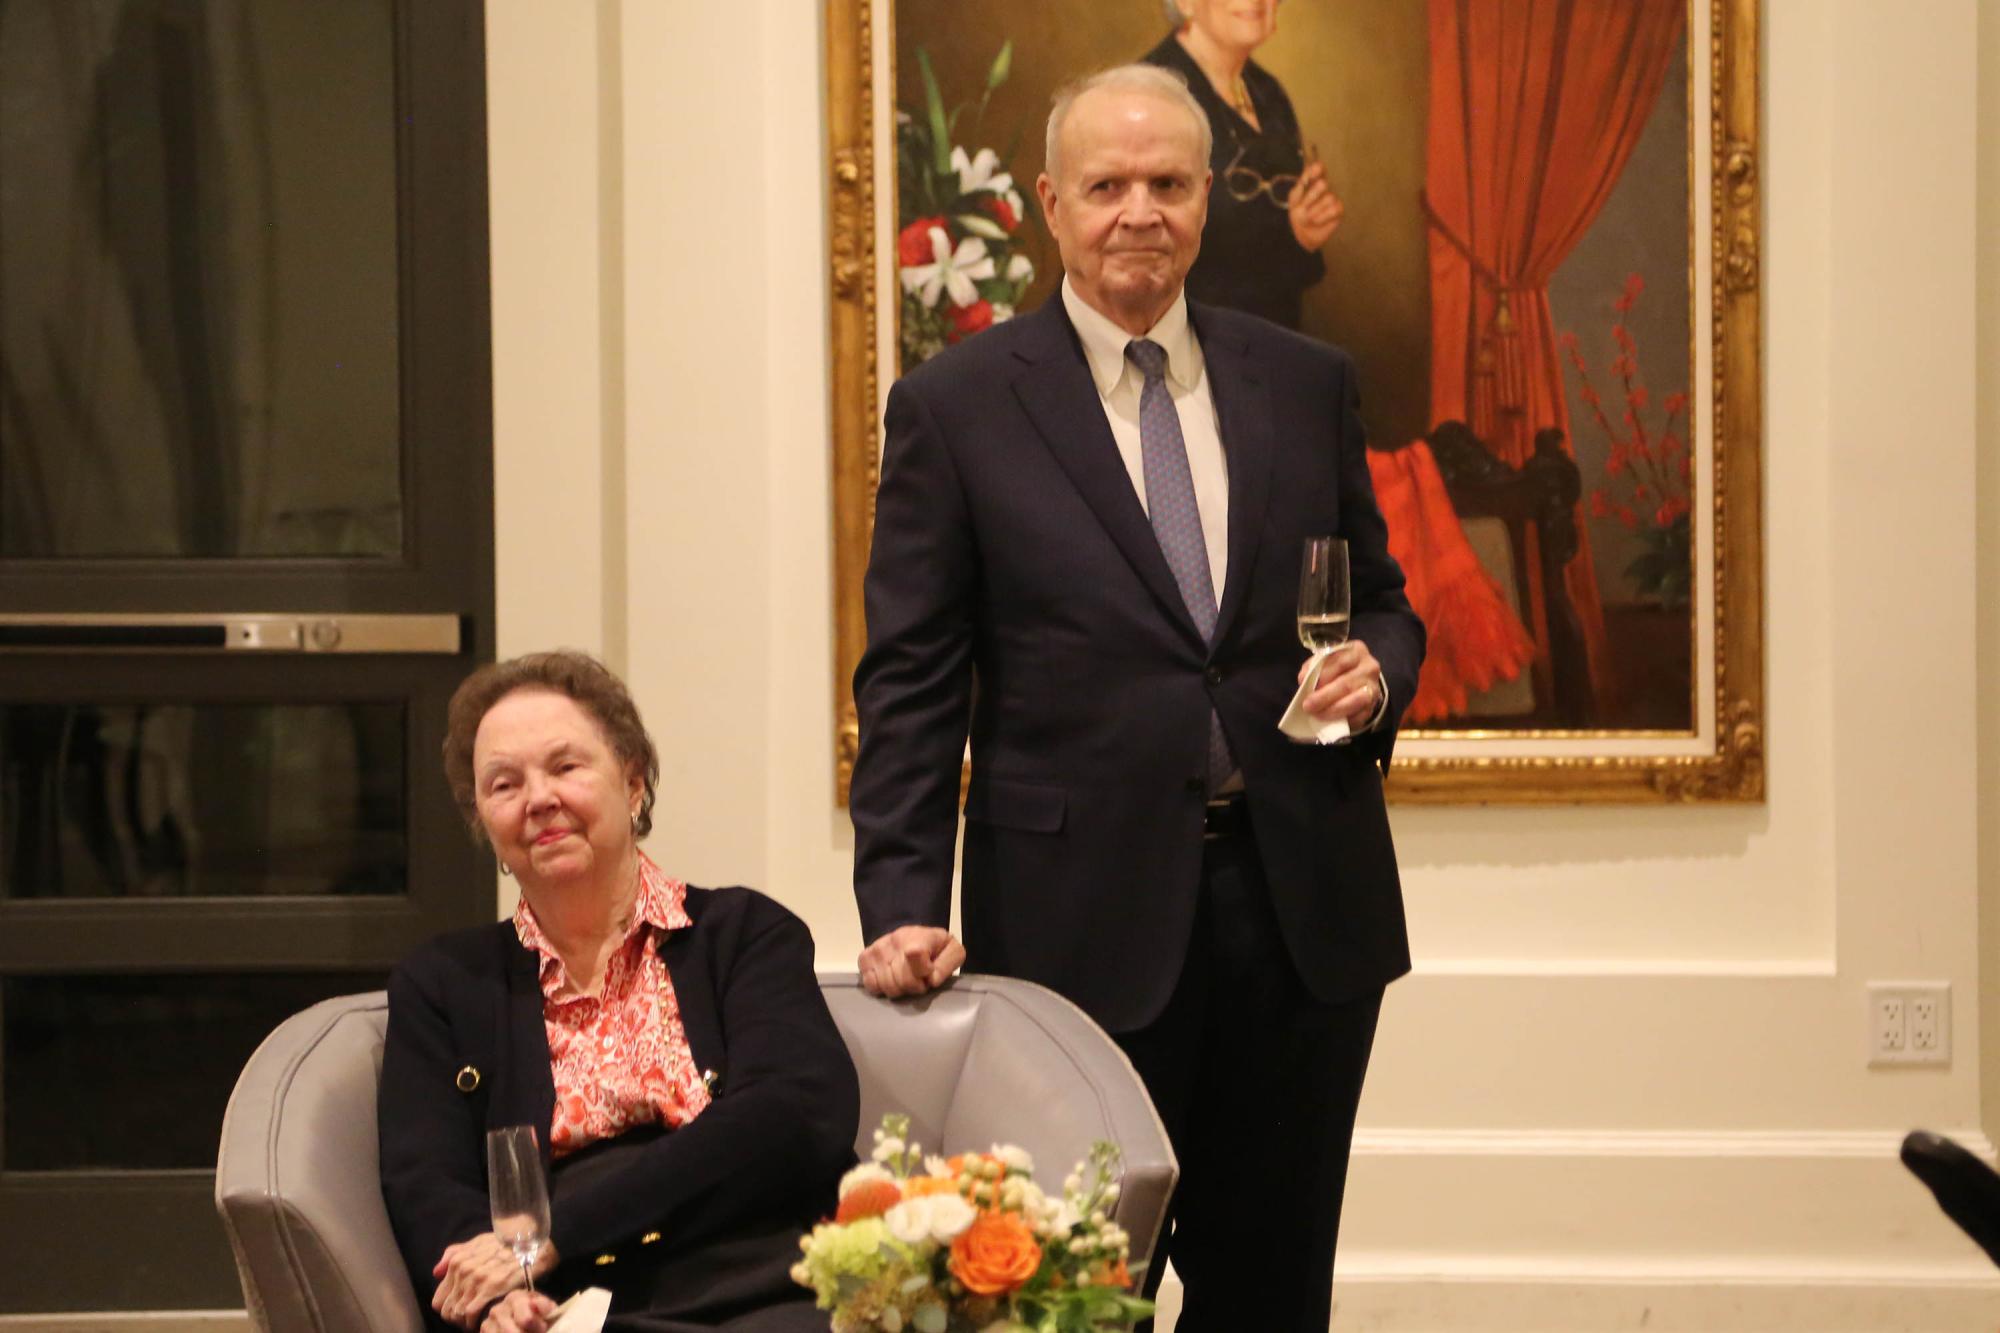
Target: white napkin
[(1303, 726), (584, 1312)]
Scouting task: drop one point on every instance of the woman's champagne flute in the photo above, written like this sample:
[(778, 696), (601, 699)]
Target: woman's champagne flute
[(518, 1194), (1323, 606)]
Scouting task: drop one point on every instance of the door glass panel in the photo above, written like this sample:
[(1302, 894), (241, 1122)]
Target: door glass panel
[(198, 279), (202, 800), (133, 1072)]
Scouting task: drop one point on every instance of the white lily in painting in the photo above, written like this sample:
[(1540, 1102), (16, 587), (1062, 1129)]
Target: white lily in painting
[(952, 271), (980, 172)]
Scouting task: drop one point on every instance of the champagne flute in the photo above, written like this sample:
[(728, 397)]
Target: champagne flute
[(1323, 608), (518, 1194)]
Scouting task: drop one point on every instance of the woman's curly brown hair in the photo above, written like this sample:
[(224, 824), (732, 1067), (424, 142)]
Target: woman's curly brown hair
[(578, 676)]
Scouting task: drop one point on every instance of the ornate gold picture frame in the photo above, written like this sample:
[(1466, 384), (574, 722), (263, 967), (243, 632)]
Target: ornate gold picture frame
[(1666, 702)]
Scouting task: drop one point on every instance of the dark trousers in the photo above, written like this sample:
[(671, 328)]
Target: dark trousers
[(1257, 1083)]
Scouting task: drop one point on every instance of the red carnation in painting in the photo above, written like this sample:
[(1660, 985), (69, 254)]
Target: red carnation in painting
[(1003, 213), (970, 319), (913, 243)]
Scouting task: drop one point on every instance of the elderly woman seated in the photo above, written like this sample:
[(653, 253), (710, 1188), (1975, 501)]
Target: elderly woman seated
[(668, 1043)]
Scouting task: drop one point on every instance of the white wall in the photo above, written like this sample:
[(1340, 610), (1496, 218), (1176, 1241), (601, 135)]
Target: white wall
[(1628, 1074)]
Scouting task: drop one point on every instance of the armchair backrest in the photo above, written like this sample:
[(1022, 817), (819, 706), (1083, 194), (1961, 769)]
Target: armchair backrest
[(296, 1178), (985, 1060), (992, 1060)]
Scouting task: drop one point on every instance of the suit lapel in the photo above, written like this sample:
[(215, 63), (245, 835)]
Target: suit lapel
[(1055, 388), (1249, 441)]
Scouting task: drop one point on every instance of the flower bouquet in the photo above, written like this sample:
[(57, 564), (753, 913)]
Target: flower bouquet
[(958, 244), (1648, 475), (970, 1244)]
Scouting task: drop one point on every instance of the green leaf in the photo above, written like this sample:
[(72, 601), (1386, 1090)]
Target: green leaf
[(1002, 63), (934, 108), (1647, 570)]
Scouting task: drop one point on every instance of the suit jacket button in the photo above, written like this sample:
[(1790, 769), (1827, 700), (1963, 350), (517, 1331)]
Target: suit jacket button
[(606, 1258), (467, 1080), (650, 1238), (1213, 675)]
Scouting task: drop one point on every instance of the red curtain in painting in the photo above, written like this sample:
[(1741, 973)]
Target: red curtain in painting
[(1535, 107)]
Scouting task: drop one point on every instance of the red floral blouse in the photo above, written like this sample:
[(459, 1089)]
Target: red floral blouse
[(620, 1057)]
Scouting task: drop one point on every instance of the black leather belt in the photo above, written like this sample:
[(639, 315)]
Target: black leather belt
[(1226, 817)]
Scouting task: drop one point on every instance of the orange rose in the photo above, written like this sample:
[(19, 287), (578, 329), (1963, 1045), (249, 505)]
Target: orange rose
[(871, 1198), (916, 1187), (996, 1254)]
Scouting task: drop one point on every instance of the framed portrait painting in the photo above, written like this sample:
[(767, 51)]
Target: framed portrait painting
[(1532, 223)]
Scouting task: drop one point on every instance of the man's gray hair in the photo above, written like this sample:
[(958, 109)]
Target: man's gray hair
[(1166, 84)]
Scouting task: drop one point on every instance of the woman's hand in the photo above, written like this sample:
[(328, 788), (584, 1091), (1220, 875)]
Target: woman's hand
[(1314, 208), (477, 1272), (520, 1312)]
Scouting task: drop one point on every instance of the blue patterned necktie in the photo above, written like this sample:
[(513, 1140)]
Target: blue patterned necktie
[(1176, 519)]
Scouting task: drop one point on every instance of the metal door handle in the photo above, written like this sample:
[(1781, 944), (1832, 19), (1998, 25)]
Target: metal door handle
[(228, 631)]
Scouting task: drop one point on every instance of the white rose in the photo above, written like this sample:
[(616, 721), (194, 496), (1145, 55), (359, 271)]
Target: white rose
[(949, 1217), (1014, 1159), (1065, 1219), (861, 1175), (910, 1220)]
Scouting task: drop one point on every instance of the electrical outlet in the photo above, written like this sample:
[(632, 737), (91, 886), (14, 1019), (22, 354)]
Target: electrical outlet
[(1909, 1023)]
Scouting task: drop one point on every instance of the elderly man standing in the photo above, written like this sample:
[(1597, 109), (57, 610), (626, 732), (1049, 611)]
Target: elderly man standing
[(1087, 545)]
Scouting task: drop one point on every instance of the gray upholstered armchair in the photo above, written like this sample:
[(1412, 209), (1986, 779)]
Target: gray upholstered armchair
[(985, 1059)]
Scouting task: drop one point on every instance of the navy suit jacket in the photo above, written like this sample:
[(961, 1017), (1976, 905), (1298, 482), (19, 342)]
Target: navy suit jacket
[(1016, 592), (709, 1213)]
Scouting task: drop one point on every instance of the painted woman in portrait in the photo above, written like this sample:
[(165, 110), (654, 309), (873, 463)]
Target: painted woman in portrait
[(1270, 209)]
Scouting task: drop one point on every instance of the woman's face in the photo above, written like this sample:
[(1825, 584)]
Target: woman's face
[(1236, 25), (555, 802)]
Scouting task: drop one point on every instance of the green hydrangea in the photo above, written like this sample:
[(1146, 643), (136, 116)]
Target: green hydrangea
[(839, 1259)]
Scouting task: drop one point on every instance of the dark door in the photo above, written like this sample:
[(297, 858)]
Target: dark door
[(245, 555)]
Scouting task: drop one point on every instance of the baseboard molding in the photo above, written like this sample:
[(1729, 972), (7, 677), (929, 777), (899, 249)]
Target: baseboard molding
[(1601, 1303), (1639, 1302)]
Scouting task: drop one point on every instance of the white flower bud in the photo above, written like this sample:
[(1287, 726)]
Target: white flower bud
[(1014, 1158)]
